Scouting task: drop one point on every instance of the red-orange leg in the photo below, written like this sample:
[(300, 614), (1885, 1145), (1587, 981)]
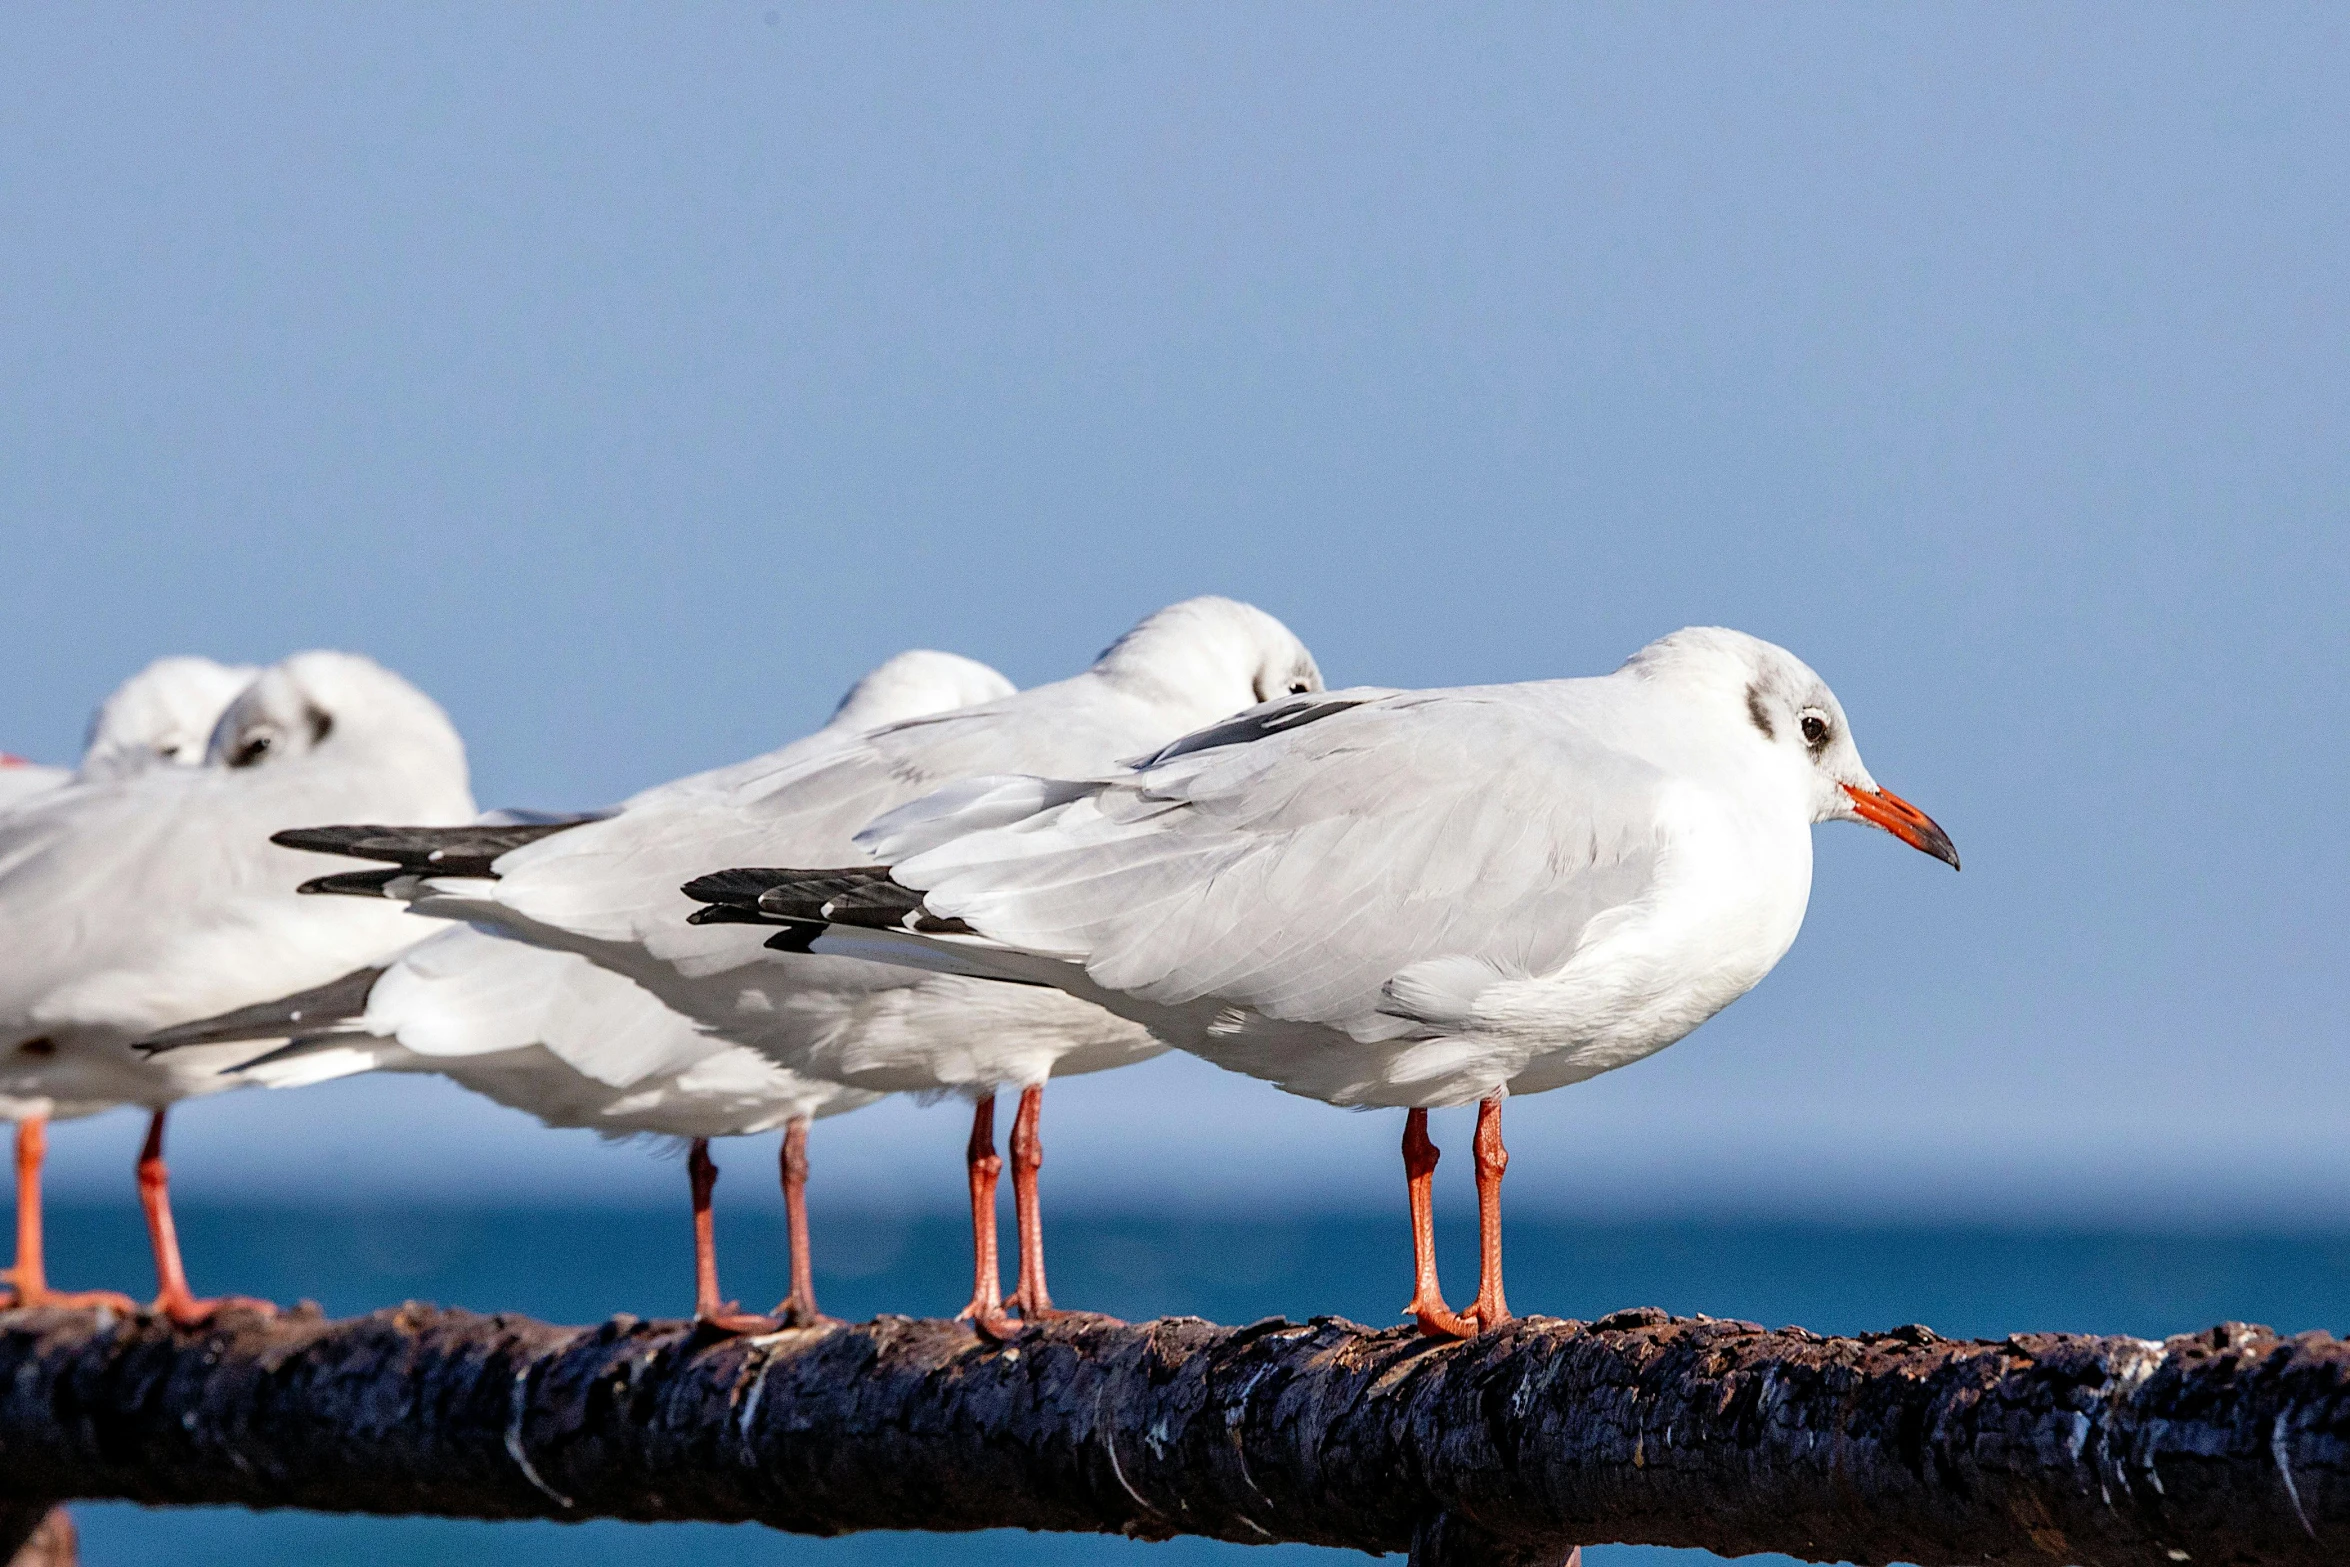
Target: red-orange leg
[(799, 1307), (1033, 1299), (1492, 1160), (1436, 1319), (172, 1297), (701, 1172), (986, 1311), (30, 1277)]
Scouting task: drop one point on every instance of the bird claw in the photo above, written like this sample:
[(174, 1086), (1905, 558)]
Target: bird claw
[(792, 1313), (731, 1321), (1437, 1320), (990, 1320), (187, 1311), (45, 1299)]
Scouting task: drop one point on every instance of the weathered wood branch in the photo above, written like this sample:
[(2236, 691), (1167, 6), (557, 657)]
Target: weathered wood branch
[(2231, 1446)]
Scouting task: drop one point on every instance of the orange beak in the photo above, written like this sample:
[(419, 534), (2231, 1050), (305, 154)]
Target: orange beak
[(1883, 808)]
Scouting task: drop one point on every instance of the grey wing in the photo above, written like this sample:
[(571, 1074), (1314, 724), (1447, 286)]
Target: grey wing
[(469, 993), (133, 903), (618, 880), (86, 875), (1371, 871)]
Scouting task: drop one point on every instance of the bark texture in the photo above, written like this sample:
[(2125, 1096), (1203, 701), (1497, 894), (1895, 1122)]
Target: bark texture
[(2228, 1446)]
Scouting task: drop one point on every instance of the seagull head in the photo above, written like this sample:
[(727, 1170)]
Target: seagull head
[(917, 684), (1784, 714), (1208, 658), (162, 714), (323, 708)]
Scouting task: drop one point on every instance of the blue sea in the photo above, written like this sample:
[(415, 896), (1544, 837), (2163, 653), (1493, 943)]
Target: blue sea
[(582, 1264)]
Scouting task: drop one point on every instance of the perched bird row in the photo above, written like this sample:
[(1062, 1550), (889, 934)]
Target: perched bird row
[(1371, 897)]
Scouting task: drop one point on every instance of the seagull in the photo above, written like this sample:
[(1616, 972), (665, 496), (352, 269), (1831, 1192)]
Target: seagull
[(609, 890), (136, 901), (1408, 899), (551, 1034), (541, 1029), (161, 715), (164, 713)]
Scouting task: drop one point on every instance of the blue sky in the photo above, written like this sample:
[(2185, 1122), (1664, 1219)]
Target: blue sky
[(633, 378)]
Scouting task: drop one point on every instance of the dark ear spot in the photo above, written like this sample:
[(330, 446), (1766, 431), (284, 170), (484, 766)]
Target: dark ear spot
[(1756, 711), (43, 1046), (322, 724)]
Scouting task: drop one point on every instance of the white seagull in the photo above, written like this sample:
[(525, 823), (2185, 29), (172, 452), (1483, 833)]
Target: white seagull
[(1388, 898), (136, 901), (159, 716), (609, 890), (545, 1031), (164, 713), (552, 1035)]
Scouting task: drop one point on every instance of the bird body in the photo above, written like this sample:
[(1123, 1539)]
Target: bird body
[(1413, 899)]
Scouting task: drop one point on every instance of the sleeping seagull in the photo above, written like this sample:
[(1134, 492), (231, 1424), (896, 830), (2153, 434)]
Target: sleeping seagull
[(551, 1034), (159, 716), (1386, 898), (544, 1030), (609, 891), (136, 901), (164, 713)]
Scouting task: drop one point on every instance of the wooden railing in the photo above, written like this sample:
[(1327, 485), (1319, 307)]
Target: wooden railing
[(2229, 1446)]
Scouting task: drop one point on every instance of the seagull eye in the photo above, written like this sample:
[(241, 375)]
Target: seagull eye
[(252, 750), (1299, 688), (1815, 728)]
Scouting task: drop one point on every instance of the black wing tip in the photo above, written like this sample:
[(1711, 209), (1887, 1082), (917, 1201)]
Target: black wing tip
[(797, 936), (336, 1001), (356, 884), (863, 895), (737, 888), (471, 850), (726, 914), (327, 840)]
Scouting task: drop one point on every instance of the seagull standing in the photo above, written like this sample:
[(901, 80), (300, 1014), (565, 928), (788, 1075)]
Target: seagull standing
[(1407, 899), (541, 1029), (610, 891), (159, 716), (551, 1034), (133, 902)]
